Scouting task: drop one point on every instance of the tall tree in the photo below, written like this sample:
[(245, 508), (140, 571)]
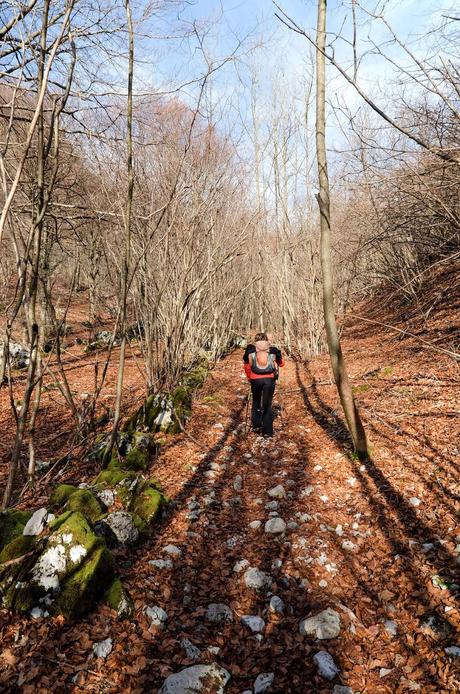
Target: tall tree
[(342, 381)]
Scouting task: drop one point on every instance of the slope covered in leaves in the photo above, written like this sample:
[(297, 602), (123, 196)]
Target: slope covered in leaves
[(377, 543)]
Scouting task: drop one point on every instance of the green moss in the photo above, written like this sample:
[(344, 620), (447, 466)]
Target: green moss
[(84, 587), (57, 522), (147, 503), (12, 524), (136, 459), (150, 411), (141, 526), (114, 463), (119, 600), (61, 494), (361, 389), (84, 502), (17, 547), (110, 478)]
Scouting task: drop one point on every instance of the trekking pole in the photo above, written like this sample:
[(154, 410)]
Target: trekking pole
[(247, 410)]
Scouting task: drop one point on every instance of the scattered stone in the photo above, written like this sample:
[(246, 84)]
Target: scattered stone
[(214, 650), (454, 651), (414, 501), (197, 679), (263, 682), (277, 564), (323, 583), (277, 492), (255, 525), (121, 523), (292, 525), (102, 649), (191, 651), (38, 613), (339, 530), (173, 550), (238, 483), (157, 616), (307, 491), (427, 546), (240, 565), (219, 613), (324, 625), (435, 626), (384, 671), (340, 689), (256, 579), (348, 545), (271, 506), (352, 481), (324, 498), (275, 526), (303, 517), (37, 523), (232, 541), (219, 425), (254, 623), (326, 665), (391, 627), (161, 563), (276, 605)]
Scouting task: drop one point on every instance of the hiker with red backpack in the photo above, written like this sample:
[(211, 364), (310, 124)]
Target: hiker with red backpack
[(261, 365)]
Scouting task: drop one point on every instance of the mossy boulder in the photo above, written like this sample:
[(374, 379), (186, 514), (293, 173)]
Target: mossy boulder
[(83, 501), (61, 494), (118, 598), (22, 544), (12, 523), (69, 571), (136, 459), (147, 502)]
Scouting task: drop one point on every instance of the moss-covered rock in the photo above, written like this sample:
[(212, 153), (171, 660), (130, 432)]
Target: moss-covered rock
[(82, 588), (136, 459), (147, 503), (68, 573), (118, 598), (61, 494), (17, 548), (12, 524), (83, 501)]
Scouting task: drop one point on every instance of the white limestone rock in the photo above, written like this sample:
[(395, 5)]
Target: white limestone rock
[(327, 668), (37, 523), (275, 526), (252, 622), (157, 616), (219, 613), (324, 625), (102, 649), (263, 682), (277, 492), (198, 679), (256, 579)]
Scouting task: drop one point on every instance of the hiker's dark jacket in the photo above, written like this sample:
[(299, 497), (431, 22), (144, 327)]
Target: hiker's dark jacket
[(251, 349)]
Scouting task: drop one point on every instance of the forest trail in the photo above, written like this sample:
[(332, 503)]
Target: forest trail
[(364, 540)]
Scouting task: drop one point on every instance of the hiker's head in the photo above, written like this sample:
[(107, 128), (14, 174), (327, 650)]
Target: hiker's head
[(261, 337)]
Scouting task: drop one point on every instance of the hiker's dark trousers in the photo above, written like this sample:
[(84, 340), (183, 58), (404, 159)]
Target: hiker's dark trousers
[(262, 396)]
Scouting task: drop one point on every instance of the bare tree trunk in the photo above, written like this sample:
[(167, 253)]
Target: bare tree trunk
[(352, 417), (127, 253)]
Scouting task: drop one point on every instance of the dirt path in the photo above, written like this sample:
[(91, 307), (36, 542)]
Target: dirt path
[(364, 540)]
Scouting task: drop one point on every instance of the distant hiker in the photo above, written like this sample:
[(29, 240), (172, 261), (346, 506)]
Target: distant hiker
[(261, 365)]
